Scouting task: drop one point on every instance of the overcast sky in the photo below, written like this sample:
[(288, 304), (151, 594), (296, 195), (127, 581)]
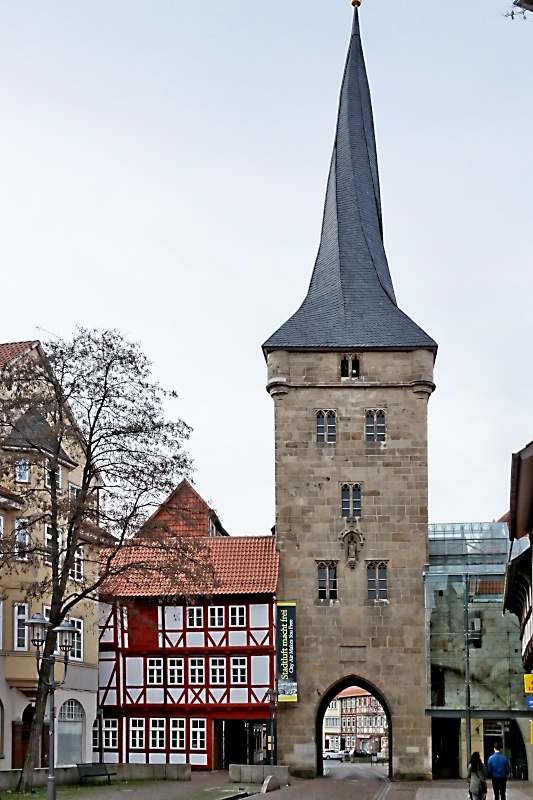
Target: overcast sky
[(163, 170)]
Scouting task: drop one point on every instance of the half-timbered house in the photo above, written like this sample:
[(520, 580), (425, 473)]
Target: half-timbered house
[(184, 677)]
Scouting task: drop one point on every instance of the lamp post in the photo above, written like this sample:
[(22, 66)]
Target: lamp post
[(273, 734), (65, 632)]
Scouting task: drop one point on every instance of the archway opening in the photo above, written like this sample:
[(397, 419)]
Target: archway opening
[(353, 724)]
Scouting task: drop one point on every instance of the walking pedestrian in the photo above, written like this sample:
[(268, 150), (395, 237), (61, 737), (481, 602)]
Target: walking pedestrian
[(477, 784), (498, 768)]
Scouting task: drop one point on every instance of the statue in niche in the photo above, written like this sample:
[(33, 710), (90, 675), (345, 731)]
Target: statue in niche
[(352, 541)]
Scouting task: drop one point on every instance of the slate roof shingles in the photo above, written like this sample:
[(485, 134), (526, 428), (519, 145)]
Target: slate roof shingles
[(351, 302)]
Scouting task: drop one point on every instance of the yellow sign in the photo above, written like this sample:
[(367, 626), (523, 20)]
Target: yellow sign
[(528, 684)]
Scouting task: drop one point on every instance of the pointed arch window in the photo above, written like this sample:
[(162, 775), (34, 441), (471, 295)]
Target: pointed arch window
[(326, 426), (351, 500), (350, 366), (376, 576), (327, 580), (375, 430)]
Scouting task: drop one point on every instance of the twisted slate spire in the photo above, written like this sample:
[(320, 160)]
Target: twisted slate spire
[(350, 303)]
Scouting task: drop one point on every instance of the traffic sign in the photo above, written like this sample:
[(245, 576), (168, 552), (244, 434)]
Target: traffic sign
[(528, 684), (529, 702)]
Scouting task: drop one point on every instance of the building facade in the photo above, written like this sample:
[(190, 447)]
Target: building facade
[(475, 688), (363, 721), (187, 678), (25, 536), (350, 376), (332, 726)]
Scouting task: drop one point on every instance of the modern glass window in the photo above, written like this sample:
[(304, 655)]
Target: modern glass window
[(216, 617), (237, 616), (155, 671), (327, 580), (375, 425), (22, 471), (238, 670), (157, 733), (195, 618), (175, 671), (76, 571), (177, 734), (48, 476), (137, 733), (110, 734), (217, 668), (351, 500), (376, 574), (196, 671), (77, 639), (22, 539), (20, 630), (198, 737)]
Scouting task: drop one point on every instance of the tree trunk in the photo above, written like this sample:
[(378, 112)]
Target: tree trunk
[(31, 761)]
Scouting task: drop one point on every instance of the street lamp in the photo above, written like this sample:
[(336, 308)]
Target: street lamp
[(65, 633), (273, 734)]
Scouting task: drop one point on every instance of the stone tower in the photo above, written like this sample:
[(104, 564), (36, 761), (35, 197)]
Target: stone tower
[(350, 375)]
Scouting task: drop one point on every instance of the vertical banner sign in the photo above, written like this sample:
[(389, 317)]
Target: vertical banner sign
[(286, 653)]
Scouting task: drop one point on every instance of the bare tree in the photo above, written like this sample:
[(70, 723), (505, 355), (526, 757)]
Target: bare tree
[(89, 408)]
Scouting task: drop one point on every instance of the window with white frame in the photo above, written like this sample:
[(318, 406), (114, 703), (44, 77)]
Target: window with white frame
[(237, 616), (218, 670), (177, 734), (196, 670), (49, 534), (20, 630), (71, 711), (48, 472), (155, 671), (22, 471), (195, 617), (238, 670), (96, 735), (76, 652), (375, 425), (46, 614), (216, 617), (157, 733), (73, 492), (198, 730), (137, 733), (175, 671), (110, 734), (22, 539), (76, 570)]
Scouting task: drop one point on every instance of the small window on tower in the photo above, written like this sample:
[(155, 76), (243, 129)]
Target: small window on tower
[(350, 366), (327, 580), (355, 367), (326, 426), (375, 425), (376, 574), (345, 367), (351, 500)]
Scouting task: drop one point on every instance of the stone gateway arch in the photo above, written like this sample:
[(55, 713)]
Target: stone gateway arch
[(350, 375)]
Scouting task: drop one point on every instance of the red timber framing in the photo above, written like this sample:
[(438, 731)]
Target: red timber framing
[(171, 675)]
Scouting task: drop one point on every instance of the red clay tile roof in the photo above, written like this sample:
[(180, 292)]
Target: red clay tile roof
[(12, 350), (353, 691), (10, 496), (241, 565), (183, 513)]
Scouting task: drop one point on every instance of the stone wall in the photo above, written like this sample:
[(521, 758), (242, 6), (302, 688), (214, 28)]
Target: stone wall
[(377, 642)]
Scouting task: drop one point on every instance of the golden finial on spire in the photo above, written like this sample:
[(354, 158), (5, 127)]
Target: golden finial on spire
[(356, 3)]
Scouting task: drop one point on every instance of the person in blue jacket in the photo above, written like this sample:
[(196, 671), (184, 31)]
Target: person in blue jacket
[(498, 768)]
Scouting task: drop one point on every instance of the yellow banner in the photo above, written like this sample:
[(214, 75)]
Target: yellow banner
[(528, 684)]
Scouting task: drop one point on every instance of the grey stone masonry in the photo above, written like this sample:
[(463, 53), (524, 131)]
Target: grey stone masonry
[(377, 643)]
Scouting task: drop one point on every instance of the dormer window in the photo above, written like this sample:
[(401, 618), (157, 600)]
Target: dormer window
[(350, 367)]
